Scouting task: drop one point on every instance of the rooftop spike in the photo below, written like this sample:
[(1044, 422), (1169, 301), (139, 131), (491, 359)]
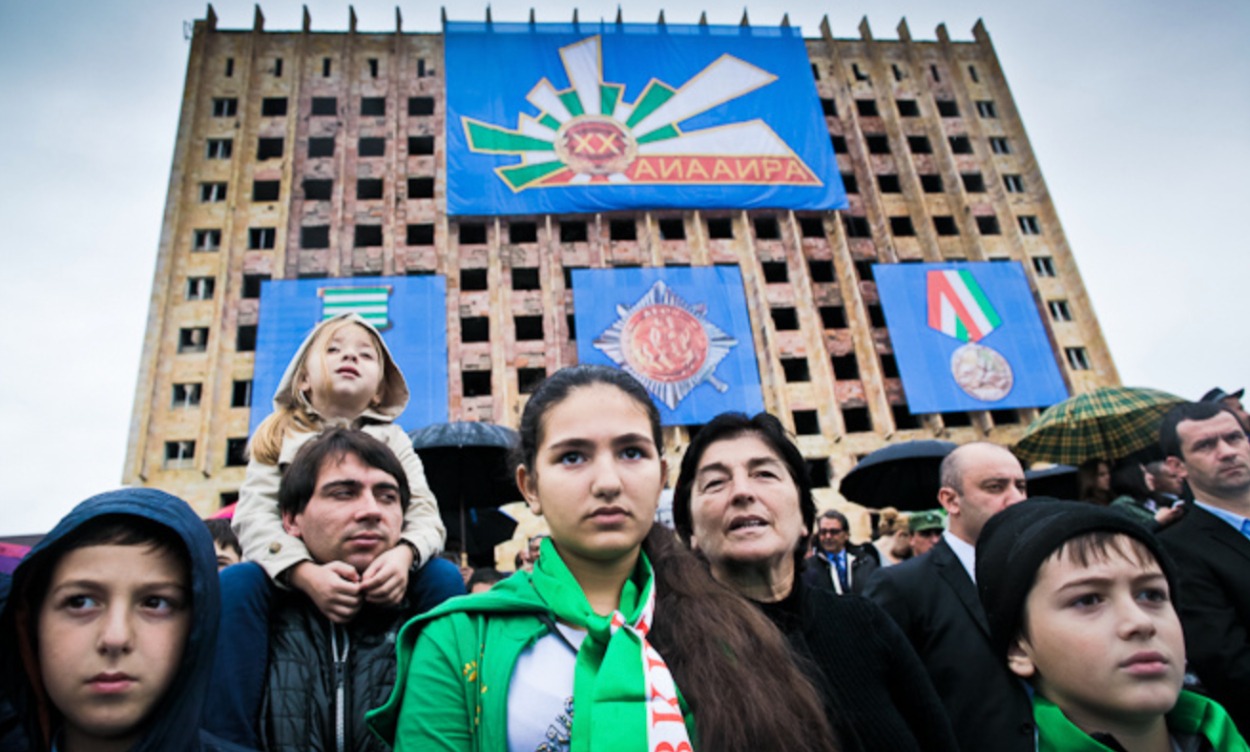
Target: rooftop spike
[(904, 31), (351, 19), (399, 20), (620, 19), (307, 20), (661, 19), (532, 19), (488, 20), (785, 21), (210, 18), (745, 20), (258, 20), (703, 18)]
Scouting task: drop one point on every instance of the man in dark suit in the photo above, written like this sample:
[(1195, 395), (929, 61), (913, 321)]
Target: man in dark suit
[(934, 599), (1211, 546), (838, 566)]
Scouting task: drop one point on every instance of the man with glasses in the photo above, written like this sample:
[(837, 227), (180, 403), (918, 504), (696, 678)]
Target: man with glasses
[(926, 530), (839, 566)]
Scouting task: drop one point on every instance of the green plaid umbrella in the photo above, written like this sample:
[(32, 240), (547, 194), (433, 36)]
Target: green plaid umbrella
[(1108, 423)]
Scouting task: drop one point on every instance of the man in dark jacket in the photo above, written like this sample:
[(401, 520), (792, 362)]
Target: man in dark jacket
[(838, 565)]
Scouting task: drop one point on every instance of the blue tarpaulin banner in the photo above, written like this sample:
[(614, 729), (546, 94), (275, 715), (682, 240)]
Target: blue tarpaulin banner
[(684, 333), (410, 312), (967, 336), (568, 118)]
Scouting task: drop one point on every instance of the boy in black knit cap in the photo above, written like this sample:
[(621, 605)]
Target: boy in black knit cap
[(1079, 603)]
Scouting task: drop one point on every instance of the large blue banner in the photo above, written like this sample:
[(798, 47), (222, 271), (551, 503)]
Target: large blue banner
[(684, 333), (967, 336), (409, 311), (567, 118)]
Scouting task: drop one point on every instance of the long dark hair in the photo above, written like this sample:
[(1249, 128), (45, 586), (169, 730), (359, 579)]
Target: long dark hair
[(731, 664)]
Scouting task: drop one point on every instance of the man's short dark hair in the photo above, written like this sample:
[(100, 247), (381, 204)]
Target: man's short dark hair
[(1169, 441), (833, 514), (223, 535), (299, 482)]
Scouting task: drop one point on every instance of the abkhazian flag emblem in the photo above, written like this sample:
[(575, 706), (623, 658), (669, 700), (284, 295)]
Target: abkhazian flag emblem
[(371, 303), (667, 344), (959, 307), (588, 133)]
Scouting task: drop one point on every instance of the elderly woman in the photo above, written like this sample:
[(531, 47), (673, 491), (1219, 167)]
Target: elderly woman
[(743, 501)]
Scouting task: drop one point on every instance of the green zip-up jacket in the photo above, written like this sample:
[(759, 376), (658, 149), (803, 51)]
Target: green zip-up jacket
[(1194, 719)]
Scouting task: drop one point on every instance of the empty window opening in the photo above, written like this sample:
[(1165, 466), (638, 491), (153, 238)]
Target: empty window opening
[(833, 317), (476, 383), (919, 145), (856, 419), (829, 107), (186, 395), (371, 147), (623, 229), (206, 240), (933, 71), (1005, 417), (193, 339), (325, 106), (420, 67), (573, 232), (945, 226), (972, 73), (529, 327), (1000, 145), (320, 147), (472, 279), (523, 232), (672, 229), (261, 238), (200, 288), (986, 109), (806, 423), (1044, 266), (818, 472), (811, 227), (277, 67), (1059, 310), (973, 182), (931, 183), (876, 317), (775, 272), (241, 393), (902, 227), (219, 148), (866, 107), (571, 320), (1029, 225), (857, 227), (878, 144), (957, 420), (269, 148), (326, 67), (252, 284), (373, 67), (839, 144), (420, 188), (815, 71), (903, 418), (796, 369), (236, 452), (229, 67), (475, 329), (528, 379), (314, 236), (368, 236), (859, 74), (265, 190), (245, 339), (420, 106), (273, 106), (318, 190), (907, 107), (845, 367), (179, 454), (785, 319), (1078, 359), (525, 278), (767, 228), (948, 108), (863, 268), (420, 234), (225, 107), (420, 146), (472, 233), (989, 226), (212, 192), (821, 271), (1013, 183), (849, 183), (889, 184), (897, 71), (368, 188), (720, 228), (889, 366), (960, 145), (373, 106)]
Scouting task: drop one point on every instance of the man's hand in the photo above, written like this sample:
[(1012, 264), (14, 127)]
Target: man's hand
[(335, 587), (386, 579), (1167, 515)]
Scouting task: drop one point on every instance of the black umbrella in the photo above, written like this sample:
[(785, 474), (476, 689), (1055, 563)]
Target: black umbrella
[(903, 476), (466, 465), (1058, 482)]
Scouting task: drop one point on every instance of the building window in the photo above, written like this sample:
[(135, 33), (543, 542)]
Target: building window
[(373, 67), (972, 73), (845, 367), (889, 184), (672, 229), (261, 238), (878, 144), (522, 232), (476, 383), (529, 327), (179, 454), (866, 107), (986, 109), (314, 236), (622, 229), (849, 183), (720, 228), (241, 393), (857, 73), (422, 234), (420, 188), (368, 189), (528, 379), (265, 190), (200, 288), (1013, 183), (1078, 359), (373, 106), (368, 236), (420, 106), (421, 72), (325, 105), (269, 148), (420, 146), (999, 145), (212, 192), (821, 271), (326, 67), (775, 272), (973, 182), (796, 369), (811, 227), (889, 366), (525, 278), (766, 228), (225, 106), (960, 145), (902, 227), (473, 279), (839, 144), (372, 147), (472, 233), (785, 319), (947, 108), (931, 183), (186, 395), (857, 419), (320, 147), (252, 285), (236, 452), (815, 71), (245, 339), (907, 107), (829, 107), (903, 418), (1059, 310), (573, 232), (206, 240), (229, 67), (876, 317), (273, 106), (1029, 225), (919, 145), (475, 329), (318, 190), (857, 227), (988, 226), (1044, 266), (219, 148), (193, 339), (945, 226), (806, 423), (833, 317), (277, 67)]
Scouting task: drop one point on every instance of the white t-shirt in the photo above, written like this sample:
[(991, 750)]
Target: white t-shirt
[(540, 694)]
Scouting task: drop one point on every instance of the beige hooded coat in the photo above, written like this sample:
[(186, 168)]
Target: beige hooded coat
[(257, 521)]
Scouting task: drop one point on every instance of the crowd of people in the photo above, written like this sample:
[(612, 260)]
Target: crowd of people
[(995, 622)]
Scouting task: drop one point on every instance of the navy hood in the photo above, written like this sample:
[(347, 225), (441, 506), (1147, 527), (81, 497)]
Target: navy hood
[(175, 722)]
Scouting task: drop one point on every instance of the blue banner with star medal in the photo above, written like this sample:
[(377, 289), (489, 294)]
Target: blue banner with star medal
[(409, 312), (684, 333), (967, 336), (593, 117)]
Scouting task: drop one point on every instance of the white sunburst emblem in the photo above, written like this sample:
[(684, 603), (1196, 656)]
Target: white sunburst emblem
[(667, 344)]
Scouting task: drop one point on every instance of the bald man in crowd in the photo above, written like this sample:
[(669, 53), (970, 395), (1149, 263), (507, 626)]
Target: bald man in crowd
[(933, 598)]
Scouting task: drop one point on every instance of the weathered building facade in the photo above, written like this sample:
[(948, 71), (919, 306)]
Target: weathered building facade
[(306, 154)]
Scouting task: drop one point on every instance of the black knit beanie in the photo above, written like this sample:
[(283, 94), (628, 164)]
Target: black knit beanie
[(1016, 541)]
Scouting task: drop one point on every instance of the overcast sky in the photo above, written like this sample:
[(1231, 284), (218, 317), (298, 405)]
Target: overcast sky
[(1139, 113)]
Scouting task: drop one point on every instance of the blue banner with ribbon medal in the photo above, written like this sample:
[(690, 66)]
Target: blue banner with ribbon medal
[(410, 312), (683, 333), (568, 118), (967, 336)]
